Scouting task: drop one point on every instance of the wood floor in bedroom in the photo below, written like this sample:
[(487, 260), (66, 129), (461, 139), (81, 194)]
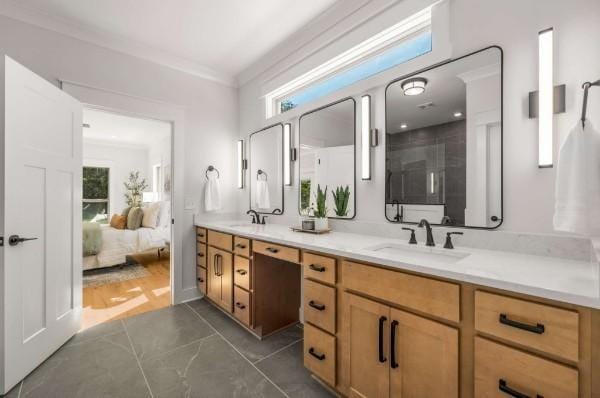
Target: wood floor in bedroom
[(135, 296)]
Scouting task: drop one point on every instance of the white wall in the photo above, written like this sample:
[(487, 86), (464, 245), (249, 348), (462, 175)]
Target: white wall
[(210, 108), (475, 24), (121, 160)]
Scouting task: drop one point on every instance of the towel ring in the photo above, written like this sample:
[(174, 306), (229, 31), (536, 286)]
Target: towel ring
[(259, 173), (212, 168)]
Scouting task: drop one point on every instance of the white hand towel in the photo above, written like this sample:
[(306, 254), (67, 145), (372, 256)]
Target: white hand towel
[(263, 200), (212, 194), (577, 194)]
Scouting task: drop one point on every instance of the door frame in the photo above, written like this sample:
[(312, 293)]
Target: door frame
[(145, 108)]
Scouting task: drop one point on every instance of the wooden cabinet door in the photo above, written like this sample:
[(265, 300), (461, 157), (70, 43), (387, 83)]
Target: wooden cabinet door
[(367, 344), (423, 357), (226, 275), (213, 288)]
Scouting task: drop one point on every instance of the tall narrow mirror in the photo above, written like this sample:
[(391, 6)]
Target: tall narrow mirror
[(444, 143), (327, 158), (266, 170)]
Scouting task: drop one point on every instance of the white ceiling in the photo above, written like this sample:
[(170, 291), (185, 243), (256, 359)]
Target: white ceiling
[(218, 38), (119, 130)]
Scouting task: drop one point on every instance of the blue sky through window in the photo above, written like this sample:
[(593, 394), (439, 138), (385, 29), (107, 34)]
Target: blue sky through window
[(409, 49)]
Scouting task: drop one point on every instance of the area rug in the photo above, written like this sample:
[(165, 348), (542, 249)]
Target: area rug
[(105, 276)]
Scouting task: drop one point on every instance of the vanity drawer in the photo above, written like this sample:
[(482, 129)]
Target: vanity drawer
[(241, 274), (241, 246), (201, 279), (542, 327), (241, 305), (437, 298), (319, 353), (221, 240), (319, 268), (277, 251), (201, 234), (501, 371), (319, 305), (201, 254)]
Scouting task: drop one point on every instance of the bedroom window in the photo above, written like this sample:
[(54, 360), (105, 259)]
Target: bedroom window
[(96, 194), (400, 43)]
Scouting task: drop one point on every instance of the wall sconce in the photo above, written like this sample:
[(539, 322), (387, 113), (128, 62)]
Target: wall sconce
[(289, 154), (368, 137), (241, 164), (546, 97)]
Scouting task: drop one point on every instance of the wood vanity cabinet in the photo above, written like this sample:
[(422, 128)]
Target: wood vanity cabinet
[(220, 278), (393, 353)]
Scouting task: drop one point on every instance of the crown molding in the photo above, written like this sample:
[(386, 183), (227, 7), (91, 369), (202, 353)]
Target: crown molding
[(13, 10), (335, 22)]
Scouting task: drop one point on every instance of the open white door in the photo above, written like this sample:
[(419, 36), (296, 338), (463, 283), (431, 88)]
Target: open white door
[(41, 199)]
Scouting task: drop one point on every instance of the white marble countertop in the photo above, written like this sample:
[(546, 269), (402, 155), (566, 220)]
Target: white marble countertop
[(569, 281)]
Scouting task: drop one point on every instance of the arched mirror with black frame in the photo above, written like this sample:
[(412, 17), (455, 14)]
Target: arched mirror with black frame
[(444, 143), (327, 158), (265, 168)]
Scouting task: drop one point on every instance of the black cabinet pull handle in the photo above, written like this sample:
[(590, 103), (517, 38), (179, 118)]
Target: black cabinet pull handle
[(201, 235), (382, 320), (537, 329), (315, 354), (316, 305), (240, 246), (393, 363), (318, 268), (503, 386), (200, 280), (241, 271), (240, 306), (272, 250), (200, 254)]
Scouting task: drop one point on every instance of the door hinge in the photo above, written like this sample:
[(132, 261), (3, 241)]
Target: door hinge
[(1, 241), (172, 221)]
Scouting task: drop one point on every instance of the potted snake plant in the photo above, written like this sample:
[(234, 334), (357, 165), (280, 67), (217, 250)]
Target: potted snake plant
[(320, 210), (341, 198)]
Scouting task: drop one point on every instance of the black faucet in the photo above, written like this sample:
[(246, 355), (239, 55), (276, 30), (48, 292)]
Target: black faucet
[(399, 211), (425, 223), (255, 216), (448, 244)]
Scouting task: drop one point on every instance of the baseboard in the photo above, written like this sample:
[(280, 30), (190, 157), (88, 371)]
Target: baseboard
[(186, 295)]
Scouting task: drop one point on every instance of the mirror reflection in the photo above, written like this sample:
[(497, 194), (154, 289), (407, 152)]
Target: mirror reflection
[(266, 170), (327, 156), (444, 144)]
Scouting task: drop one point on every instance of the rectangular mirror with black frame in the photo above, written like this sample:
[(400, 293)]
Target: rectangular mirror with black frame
[(444, 143), (266, 170), (327, 158)]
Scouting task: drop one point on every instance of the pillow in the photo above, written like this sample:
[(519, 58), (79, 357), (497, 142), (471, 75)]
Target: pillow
[(118, 221), (151, 214), (134, 218), (125, 211)]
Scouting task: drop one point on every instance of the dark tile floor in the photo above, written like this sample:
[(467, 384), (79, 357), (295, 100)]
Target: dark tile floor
[(189, 350)]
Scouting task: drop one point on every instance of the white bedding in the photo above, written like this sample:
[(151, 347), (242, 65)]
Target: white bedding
[(118, 243)]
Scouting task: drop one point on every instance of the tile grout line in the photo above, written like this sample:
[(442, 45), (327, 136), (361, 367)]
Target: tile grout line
[(137, 359), (181, 346), (242, 355), (279, 350)]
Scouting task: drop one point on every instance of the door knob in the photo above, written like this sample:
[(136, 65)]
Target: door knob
[(14, 240)]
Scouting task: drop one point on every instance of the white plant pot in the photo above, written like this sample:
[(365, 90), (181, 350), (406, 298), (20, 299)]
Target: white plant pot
[(321, 223)]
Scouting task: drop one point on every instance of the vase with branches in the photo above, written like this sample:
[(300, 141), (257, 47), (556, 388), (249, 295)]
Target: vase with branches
[(135, 187)]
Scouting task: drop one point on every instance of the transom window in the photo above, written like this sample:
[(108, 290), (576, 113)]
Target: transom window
[(400, 43)]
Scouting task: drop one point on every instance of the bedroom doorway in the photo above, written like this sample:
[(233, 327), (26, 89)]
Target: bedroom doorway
[(126, 214)]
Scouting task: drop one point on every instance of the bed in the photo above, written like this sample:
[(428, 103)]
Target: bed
[(117, 244)]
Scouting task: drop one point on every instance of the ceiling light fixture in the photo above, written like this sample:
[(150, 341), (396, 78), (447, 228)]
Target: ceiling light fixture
[(403, 126), (458, 114), (414, 86)]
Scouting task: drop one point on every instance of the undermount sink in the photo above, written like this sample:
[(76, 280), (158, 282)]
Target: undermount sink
[(242, 225), (421, 253)]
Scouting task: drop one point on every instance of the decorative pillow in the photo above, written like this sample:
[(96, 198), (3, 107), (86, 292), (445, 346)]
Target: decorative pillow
[(118, 221), (151, 214), (134, 218), (125, 211)]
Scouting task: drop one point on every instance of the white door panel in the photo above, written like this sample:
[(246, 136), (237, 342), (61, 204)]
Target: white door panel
[(42, 199)]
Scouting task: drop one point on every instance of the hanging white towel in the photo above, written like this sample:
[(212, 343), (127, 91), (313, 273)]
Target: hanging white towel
[(263, 200), (212, 193), (577, 194)]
